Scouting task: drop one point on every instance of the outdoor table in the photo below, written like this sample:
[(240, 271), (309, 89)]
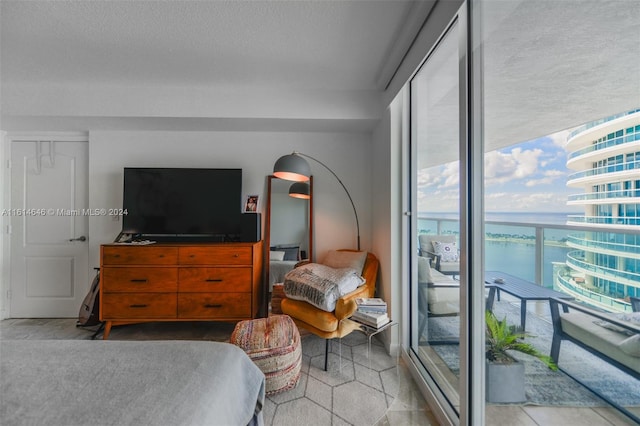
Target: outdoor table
[(519, 288)]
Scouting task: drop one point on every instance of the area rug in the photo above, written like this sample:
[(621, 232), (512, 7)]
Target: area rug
[(543, 386)]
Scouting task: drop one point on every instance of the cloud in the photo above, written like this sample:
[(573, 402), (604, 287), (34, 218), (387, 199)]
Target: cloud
[(501, 167), (549, 176), (560, 138), (451, 175), (540, 201)]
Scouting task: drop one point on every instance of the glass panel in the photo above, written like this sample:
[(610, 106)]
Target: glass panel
[(561, 213), (435, 121)]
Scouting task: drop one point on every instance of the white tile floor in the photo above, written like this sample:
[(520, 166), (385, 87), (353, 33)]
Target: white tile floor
[(330, 398)]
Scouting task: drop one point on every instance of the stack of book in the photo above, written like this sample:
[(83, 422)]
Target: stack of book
[(371, 312)]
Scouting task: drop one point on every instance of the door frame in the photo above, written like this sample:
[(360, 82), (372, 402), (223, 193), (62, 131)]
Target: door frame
[(7, 139)]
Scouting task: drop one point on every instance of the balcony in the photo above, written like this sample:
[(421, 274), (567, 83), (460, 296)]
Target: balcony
[(543, 254), (605, 144)]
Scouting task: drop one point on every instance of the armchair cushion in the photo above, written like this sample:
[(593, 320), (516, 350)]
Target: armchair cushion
[(345, 259), (321, 285), (424, 270)]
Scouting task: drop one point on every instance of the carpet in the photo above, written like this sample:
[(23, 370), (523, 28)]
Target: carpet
[(543, 386)]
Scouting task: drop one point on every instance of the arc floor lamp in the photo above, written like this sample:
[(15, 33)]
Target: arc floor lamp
[(295, 168)]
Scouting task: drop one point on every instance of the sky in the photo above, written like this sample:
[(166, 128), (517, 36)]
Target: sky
[(526, 177)]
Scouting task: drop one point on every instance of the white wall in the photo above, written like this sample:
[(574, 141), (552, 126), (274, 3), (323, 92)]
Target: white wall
[(3, 259), (347, 154), (388, 216)]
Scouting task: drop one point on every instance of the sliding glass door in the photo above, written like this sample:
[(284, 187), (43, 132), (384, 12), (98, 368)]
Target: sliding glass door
[(435, 160)]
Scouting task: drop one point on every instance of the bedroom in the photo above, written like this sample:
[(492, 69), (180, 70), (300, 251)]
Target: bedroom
[(147, 97), (155, 103)]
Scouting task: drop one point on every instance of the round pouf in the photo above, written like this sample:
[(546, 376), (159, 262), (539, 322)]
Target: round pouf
[(273, 344)]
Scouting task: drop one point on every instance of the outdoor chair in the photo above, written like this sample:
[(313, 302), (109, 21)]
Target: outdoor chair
[(443, 252)]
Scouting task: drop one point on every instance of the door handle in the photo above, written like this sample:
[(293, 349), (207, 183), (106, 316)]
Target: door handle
[(81, 238)]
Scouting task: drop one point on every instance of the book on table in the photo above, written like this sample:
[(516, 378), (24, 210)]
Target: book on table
[(370, 302), (372, 309), (371, 319)]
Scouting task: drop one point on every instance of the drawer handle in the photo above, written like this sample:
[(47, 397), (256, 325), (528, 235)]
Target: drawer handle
[(236, 255), (214, 280), (209, 305), (192, 256), (137, 306), (139, 280)]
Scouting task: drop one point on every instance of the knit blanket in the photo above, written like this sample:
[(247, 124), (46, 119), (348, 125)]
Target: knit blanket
[(321, 285)]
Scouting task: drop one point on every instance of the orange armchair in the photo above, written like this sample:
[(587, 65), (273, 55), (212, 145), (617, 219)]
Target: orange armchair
[(329, 325)]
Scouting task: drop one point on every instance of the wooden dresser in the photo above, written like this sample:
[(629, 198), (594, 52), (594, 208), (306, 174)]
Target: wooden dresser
[(179, 282)]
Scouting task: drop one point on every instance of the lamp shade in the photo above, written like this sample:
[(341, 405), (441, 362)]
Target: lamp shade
[(300, 190), (292, 167)]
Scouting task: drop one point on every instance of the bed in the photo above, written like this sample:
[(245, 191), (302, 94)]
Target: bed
[(78, 382), (278, 269), (282, 259)]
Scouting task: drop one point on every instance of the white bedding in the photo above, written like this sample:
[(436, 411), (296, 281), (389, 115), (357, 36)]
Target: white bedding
[(278, 269), (79, 382)]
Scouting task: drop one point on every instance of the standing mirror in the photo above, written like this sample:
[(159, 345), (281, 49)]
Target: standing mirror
[(288, 235)]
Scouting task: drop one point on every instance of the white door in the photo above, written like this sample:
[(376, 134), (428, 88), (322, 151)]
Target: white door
[(48, 232)]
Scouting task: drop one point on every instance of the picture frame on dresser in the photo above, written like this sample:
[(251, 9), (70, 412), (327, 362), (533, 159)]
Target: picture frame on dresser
[(251, 204)]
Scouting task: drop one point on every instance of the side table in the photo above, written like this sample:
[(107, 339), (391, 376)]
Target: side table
[(370, 331)]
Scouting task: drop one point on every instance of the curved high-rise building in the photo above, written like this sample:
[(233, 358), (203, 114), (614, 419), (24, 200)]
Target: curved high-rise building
[(604, 268)]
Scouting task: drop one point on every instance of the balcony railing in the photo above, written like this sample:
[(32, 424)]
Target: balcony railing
[(619, 193), (595, 123), (619, 140), (604, 220), (601, 300), (604, 245), (533, 236), (604, 170), (576, 258)]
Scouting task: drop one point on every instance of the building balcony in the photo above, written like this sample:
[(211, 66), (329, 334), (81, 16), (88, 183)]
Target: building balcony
[(604, 222), (609, 197), (611, 248), (609, 173)]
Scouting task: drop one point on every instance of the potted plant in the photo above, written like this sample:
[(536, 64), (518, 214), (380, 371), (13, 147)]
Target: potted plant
[(505, 375)]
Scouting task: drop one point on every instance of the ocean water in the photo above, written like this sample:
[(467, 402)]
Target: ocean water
[(506, 249)]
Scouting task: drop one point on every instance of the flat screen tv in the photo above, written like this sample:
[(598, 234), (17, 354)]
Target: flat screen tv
[(182, 204)]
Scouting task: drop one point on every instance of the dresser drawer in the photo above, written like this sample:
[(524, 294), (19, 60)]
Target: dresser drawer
[(214, 305), (218, 255), (138, 305), (139, 255), (134, 279), (221, 279)]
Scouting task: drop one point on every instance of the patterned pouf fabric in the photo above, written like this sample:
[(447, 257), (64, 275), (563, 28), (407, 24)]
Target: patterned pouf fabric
[(273, 344)]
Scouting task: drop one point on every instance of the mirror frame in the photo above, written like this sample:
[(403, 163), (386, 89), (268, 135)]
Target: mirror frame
[(267, 237)]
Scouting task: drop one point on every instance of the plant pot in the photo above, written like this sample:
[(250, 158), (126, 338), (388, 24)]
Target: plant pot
[(505, 382)]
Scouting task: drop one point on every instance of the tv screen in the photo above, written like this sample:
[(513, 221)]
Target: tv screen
[(182, 202)]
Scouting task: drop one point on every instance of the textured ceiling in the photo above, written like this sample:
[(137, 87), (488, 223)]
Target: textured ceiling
[(337, 45), (547, 65)]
